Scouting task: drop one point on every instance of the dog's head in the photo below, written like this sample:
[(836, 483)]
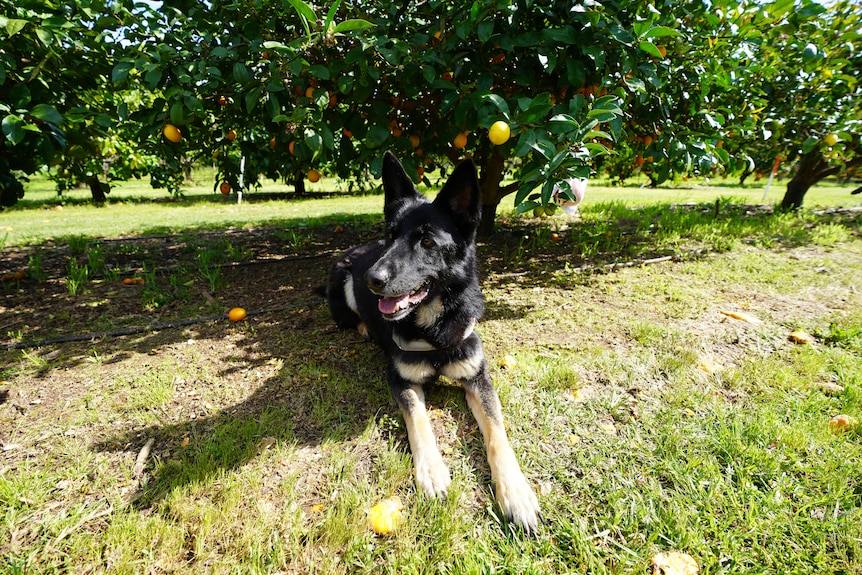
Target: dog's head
[(430, 246)]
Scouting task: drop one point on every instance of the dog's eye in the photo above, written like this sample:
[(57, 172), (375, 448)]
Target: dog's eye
[(427, 243)]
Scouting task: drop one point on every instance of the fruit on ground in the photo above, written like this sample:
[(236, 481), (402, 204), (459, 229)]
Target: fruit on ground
[(384, 517), (841, 423), (172, 133), (237, 314), (499, 133), (313, 176)]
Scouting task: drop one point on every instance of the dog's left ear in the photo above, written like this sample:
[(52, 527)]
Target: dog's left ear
[(461, 197)]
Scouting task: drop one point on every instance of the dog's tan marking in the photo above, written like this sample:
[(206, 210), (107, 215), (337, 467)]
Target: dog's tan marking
[(350, 295), (514, 494), (428, 313), (432, 475), (463, 369), (414, 372)]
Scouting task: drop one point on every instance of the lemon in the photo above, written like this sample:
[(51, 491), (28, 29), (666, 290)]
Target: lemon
[(384, 517), (172, 133), (499, 133)]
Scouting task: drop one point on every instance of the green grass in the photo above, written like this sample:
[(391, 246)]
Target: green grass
[(646, 419)]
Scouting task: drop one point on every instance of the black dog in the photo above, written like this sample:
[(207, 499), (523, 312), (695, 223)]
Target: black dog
[(416, 294)]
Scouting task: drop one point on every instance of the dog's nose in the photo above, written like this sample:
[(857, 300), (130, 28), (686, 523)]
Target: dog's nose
[(376, 279)]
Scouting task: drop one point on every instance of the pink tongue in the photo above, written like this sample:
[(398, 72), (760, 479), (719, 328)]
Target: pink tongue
[(390, 305)]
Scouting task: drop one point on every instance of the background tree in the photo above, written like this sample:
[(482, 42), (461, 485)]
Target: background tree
[(54, 61)]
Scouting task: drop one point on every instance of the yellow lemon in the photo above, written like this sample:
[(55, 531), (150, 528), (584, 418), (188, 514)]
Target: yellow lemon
[(499, 133), (172, 133)]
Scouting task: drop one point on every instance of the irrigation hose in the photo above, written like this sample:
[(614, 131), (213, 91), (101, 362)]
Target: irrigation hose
[(148, 328)]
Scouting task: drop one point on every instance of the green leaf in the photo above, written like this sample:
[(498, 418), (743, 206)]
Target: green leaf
[(13, 128), (47, 113), (120, 73), (660, 32), (14, 25), (499, 103), (319, 71), (650, 48), (352, 24), (304, 10), (240, 73), (485, 30), (45, 36), (177, 115), (376, 136)]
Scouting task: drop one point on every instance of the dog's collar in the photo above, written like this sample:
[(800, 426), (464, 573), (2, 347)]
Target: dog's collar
[(424, 345)]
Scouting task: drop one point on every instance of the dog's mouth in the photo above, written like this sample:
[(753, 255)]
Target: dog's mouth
[(398, 306)]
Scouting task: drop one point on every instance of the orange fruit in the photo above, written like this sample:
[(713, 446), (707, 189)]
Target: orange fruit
[(420, 171), (414, 140), (662, 50), (347, 133), (460, 141), (290, 147), (339, 230), (313, 176), (225, 188), (230, 136), (309, 92), (647, 140), (222, 101), (237, 314), (499, 133), (272, 143), (172, 133)]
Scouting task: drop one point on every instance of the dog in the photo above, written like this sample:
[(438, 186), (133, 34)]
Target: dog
[(416, 295)]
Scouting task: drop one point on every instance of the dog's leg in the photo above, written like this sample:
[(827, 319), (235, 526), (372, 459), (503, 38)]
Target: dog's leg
[(432, 475), (514, 494)]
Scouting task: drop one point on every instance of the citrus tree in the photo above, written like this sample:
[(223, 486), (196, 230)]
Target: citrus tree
[(54, 63), (282, 90), (747, 83)]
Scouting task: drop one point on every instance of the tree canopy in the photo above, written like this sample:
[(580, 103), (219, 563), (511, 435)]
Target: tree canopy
[(287, 90)]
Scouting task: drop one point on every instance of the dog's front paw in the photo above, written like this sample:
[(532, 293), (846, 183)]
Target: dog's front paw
[(518, 502), (432, 476)]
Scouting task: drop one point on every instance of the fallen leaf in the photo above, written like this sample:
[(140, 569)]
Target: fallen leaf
[(674, 563), (384, 517), (800, 337), (741, 316)]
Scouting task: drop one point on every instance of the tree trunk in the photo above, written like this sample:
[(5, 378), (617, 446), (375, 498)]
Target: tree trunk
[(97, 190), (492, 193), (299, 185), (812, 168)]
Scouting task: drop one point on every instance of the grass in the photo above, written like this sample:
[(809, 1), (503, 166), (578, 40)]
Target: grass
[(646, 419)]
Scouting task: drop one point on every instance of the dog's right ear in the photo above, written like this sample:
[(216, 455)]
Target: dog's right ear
[(396, 183)]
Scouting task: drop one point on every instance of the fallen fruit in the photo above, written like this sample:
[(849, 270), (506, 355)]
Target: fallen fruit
[(172, 133), (499, 133), (800, 337), (339, 230), (237, 314), (133, 281), (384, 517), (674, 563), (842, 423), (508, 362)]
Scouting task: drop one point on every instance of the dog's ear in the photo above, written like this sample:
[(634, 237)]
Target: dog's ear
[(396, 183), (461, 197)]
